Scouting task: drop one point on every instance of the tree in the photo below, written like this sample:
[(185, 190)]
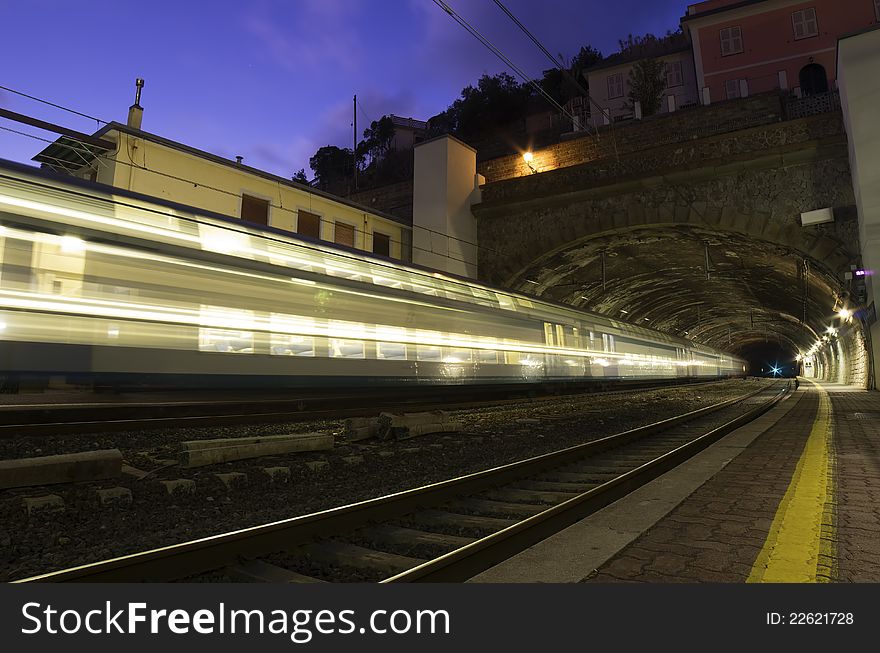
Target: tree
[(650, 45), (647, 81), (483, 110), (332, 165), (377, 139), (300, 177)]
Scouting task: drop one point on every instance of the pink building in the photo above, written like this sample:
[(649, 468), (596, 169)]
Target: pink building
[(742, 47)]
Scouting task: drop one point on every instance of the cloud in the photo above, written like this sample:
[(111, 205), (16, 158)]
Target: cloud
[(310, 36)]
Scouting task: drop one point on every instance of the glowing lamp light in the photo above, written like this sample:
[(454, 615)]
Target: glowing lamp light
[(831, 331), (528, 157), (844, 314)]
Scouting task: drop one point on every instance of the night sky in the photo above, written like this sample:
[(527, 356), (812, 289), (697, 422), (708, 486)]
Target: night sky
[(273, 81)]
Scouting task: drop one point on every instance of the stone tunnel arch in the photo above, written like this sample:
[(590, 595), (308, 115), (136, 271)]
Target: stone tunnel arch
[(720, 287)]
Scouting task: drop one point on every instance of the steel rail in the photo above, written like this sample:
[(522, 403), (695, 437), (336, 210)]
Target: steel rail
[(471, 559), (219, 551)]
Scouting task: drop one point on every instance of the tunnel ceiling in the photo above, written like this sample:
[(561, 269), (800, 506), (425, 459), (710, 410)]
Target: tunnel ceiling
[(755, 292)]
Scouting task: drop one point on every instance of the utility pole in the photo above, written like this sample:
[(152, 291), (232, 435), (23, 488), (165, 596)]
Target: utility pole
[(355, 140)]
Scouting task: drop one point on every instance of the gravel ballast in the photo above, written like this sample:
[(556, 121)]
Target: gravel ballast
[(85, 530)]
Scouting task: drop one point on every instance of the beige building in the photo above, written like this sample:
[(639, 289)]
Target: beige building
[(152, 165), (609, 82)]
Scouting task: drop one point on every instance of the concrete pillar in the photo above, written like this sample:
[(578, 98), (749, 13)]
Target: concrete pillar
[(445, 186), (637, 108), (707, 96), (670, 103), (857, 63)]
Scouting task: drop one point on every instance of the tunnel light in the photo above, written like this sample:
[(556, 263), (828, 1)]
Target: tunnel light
[(831, 331), (844, 314)]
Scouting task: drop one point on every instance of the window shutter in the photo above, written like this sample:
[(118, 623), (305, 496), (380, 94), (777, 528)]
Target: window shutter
[(254, 209), (344, 234), (381, 244), (308, 224), (731, 87), (812, 25)]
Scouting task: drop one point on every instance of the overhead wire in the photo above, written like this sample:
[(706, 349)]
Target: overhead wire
[(557, 65), (52, 104), (498, 53), (84, 149)]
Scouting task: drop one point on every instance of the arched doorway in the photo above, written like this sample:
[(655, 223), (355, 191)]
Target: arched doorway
[(813, 79)]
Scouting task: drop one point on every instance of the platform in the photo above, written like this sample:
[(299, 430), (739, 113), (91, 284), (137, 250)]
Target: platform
[(792, 497)]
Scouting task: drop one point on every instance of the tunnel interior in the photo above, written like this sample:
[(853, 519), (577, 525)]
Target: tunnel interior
[(761, 301), (771, 359)]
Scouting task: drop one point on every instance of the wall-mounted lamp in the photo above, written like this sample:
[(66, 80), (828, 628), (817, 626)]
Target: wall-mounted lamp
[(528, 157)]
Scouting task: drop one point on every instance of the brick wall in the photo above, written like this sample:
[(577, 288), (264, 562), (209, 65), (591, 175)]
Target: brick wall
[(396, 199), (727, 148), (627, 138)]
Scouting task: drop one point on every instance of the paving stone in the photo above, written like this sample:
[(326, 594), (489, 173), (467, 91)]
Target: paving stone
[(114, 496), (386, 454), (353, 460), (45, 503)]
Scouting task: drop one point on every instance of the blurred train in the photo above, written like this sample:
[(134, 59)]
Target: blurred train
[(99, 284)]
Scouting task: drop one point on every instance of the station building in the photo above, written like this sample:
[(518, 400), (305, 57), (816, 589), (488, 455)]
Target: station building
[(152, 165)]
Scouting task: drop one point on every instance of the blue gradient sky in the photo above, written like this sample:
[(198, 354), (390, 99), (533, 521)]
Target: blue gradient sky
[(273, 80)]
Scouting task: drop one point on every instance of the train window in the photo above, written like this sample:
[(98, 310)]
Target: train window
[(346, 348), (308, 224), (229, 340), (457, 356), (254, 209), (381, 244), (391, 351), (344, 234), (287, 345), (428, 353), (484, 356), (548, 333), (560, 335)]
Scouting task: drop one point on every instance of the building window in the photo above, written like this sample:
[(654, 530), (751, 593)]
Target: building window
[(381, 244), (805, 23), (732, 89), (615, 86), (344, 234), (254, 209), (731, 41), (673, 74), (308, 224)]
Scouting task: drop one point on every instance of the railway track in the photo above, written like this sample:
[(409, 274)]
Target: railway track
[(447, 531), (109, 417)]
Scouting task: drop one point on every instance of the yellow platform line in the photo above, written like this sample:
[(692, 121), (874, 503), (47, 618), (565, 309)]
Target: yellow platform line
[(800, 545)]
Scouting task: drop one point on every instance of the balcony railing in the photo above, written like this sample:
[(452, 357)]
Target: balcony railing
[(810, 105)]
